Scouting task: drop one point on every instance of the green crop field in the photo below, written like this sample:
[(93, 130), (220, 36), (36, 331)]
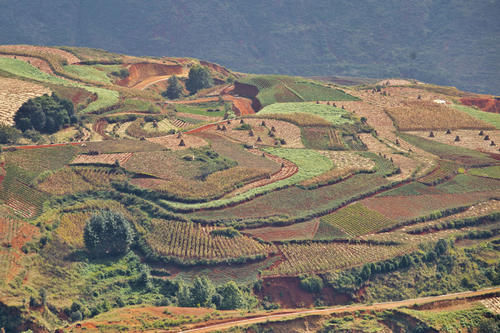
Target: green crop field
[(335, 116), (217, 109), (105, 97), (284, 89), (489, 117), (356, 220), (87, 73), (490, 172)]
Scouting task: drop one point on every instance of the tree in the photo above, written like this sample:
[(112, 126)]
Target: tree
[(8, 134), (202, 291), (199, 78), (174, 89), (232, 297), (108, 233), (46, 114)]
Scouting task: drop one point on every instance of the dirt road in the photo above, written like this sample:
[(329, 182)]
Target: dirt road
[(337, 309)]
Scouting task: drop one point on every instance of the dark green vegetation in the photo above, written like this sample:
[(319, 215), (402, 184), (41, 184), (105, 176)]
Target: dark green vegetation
[(108, 233), (46, 114), (199, 78), (437, 41), (174, 89)]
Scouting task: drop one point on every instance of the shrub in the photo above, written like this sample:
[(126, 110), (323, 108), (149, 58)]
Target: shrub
[(108, 233), (8, 134), (311, 283)]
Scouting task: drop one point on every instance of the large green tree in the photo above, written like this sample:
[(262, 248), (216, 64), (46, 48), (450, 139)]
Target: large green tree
[(108, 233), (46, 114), (199, 78), (232, 296), (174, 89)]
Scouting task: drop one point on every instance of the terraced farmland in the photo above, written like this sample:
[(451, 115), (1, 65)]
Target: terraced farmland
[(13, 93), (356, 220), (191, 243), (321, 257)]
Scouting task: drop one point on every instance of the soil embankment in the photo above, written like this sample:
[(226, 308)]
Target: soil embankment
[(146, 71), (486, 104), (250, 92)]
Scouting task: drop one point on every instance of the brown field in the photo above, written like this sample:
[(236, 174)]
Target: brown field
[(482, 208), (173, 142), (69, 57), (427, 115), (282, 130), (468, 139), (13, 93), (304, 230), (107, 159), (288, 169), (215, 184), (403, 208), (13, 235)]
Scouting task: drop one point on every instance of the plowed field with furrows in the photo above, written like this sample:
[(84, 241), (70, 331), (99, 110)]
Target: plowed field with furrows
[(13, 93)]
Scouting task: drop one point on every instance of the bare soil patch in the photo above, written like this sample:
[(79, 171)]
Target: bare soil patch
[(485, 104)]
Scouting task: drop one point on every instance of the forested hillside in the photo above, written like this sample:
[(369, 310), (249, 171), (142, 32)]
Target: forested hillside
[(449, 42)]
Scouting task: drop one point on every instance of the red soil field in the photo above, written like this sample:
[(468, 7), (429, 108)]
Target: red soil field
[(485, 104)]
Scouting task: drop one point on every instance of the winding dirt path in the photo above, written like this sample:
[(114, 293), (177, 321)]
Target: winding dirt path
[(337, 309)]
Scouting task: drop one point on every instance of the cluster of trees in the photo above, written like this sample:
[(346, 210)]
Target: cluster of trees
[(202, 293), (45, 114), (108, 233), (199, 78)]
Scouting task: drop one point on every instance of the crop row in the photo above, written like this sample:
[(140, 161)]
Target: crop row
[(321, 257), (190, 242), (356, 220), (444, 171), (71, 226)]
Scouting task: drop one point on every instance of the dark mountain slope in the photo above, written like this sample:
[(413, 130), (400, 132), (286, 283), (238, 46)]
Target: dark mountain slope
[(451, 42)]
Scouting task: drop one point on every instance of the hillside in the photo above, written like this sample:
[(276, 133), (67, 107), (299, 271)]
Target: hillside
[(442, 42), (253, 193)]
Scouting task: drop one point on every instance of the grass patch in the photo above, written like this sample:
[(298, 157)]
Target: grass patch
[(451, 321), (335, 116), (87, 73), (490, 172), (212, 109), (488, 117), (284, 89), (467, 183)]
